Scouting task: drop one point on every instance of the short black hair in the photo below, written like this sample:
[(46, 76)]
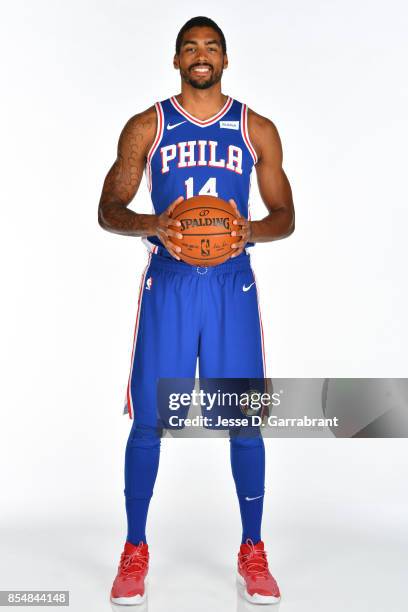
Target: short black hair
[(200, 22)]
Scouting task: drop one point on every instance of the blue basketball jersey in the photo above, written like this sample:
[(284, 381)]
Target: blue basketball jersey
[(191, 157)]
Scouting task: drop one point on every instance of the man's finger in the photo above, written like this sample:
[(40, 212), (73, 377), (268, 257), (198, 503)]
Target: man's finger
[(172, 246), (171, 222), (172, 249), (238, 245), (174, 203), (164, 237), (231, 201), (170, 209), (241, 221), (170, 232)]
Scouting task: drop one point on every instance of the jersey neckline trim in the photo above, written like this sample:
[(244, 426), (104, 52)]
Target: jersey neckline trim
[(199, 122)]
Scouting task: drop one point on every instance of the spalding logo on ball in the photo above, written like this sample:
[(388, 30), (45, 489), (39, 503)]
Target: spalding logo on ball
[(206, 225)]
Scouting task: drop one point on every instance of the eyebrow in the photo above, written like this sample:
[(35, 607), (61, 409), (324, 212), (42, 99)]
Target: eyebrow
[(207, 42)]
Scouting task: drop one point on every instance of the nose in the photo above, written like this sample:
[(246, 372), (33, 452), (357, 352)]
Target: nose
[(202, 56)]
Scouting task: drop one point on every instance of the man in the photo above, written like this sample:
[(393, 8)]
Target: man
[(183, 144)]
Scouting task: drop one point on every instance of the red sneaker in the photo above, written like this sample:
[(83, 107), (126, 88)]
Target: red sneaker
[(128, 587), (254, 575)]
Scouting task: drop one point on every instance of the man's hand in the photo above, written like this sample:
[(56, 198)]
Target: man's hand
[(164, 233), (242, 231)]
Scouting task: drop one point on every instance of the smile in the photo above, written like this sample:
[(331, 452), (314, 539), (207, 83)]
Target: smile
[(201, 69)]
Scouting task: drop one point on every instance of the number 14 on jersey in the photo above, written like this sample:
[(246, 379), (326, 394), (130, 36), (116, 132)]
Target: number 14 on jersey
[(209, 187)]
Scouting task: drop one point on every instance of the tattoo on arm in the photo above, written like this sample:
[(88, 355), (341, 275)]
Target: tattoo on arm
[(124, 177)]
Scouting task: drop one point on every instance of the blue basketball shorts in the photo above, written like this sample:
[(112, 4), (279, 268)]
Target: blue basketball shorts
[(187, 313)]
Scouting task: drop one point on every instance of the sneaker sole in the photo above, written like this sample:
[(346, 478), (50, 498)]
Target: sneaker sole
[(136, 600), (256, 598)]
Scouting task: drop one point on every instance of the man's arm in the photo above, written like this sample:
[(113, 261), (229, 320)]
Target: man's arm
[(273, 186), (124, 177), (122, 183), (273, 183)]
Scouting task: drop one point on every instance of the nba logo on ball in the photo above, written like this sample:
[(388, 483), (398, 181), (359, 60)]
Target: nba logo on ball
[(205, 247), (149, 283)]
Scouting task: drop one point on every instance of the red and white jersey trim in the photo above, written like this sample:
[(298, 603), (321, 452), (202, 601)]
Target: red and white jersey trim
[(199, 122), (249, 196), (156, 142), (129, 400), (150, 246), (245, 132), (260, 326)]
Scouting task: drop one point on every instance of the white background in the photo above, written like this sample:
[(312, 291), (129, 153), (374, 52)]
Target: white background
[(331, 75)]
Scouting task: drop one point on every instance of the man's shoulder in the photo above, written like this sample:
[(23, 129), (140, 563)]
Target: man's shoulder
[(145, 120), (259, 122), (140, 128), (263, 134)]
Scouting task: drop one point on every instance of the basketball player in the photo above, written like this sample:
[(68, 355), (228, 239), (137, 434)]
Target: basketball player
[(199, 142)]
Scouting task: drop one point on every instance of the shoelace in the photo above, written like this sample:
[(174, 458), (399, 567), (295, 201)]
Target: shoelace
[(133, 563), (255, 562)]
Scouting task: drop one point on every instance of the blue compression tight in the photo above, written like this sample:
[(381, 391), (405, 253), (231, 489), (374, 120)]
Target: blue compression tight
[(141, 466)]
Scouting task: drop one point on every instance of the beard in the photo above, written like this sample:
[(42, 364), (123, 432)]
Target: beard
[(214, 77)]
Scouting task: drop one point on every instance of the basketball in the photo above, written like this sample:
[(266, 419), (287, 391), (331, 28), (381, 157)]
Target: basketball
[(206, 225)]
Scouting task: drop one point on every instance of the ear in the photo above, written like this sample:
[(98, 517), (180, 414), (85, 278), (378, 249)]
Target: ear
[(176, 63), (225, 61)]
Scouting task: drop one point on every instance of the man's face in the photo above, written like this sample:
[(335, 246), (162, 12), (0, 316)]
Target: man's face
[(201, 60)]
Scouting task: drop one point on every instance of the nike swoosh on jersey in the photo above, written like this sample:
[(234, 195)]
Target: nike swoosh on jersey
[(252, 498), (170, 127), (244, 288)]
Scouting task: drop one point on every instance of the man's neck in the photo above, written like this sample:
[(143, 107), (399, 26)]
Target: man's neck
[(201, 103)]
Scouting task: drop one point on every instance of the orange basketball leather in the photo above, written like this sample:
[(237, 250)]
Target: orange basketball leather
[(206, 225)]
